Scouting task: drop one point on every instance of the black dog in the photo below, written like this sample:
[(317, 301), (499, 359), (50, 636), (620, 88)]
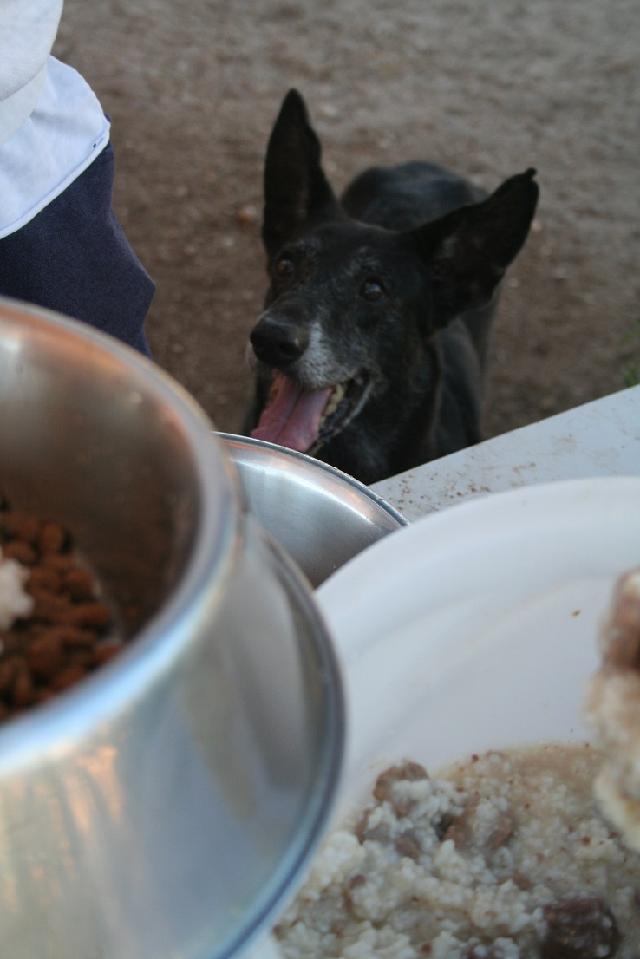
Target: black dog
[(371, 348)]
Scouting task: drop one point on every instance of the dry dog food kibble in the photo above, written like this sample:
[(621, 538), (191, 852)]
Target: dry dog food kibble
[(54, 627), (502, 857)]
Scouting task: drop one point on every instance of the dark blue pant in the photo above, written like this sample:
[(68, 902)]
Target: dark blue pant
[(73, 257)]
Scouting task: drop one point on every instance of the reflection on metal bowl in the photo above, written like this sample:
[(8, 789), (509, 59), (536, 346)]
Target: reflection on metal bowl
[(321, 517)]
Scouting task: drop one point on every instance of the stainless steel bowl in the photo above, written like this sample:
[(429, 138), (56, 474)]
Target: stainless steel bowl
[(164, 806), (321, 517)]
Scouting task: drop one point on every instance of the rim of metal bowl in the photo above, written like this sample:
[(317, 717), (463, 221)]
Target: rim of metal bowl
[(322, 798), (366, 491)]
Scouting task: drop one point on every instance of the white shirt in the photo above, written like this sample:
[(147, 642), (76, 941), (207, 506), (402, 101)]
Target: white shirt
[(27, 31), (60, 124)]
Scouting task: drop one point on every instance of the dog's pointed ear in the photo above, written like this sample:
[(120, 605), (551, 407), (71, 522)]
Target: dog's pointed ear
[(469, 249), (296, 191)]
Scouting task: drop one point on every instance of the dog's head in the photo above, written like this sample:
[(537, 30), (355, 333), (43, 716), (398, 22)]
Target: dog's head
[(350, 305)]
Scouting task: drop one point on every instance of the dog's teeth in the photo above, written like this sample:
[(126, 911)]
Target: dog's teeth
[(334, 400)]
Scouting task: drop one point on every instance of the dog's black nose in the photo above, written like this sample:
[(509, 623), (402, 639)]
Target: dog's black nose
[(278, 343)]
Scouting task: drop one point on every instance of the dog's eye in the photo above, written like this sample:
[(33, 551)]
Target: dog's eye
[(372, 290), (284, 267)]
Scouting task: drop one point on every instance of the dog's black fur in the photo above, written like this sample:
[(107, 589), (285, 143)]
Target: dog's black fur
[(390, 292)]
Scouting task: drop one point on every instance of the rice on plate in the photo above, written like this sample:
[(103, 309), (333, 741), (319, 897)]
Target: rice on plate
[(503, 857)]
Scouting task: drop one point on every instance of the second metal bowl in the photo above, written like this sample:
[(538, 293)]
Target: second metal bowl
[(321, 517)]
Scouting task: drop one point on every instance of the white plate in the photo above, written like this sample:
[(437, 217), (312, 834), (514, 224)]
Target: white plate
[(476, 627)]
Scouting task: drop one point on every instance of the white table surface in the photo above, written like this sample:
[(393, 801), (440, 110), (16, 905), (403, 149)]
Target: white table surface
[(601, 438)]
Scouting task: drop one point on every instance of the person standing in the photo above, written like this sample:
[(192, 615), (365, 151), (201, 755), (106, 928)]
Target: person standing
[(61, 246)]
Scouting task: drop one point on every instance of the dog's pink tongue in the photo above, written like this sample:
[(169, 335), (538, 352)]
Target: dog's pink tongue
[(292, 415)]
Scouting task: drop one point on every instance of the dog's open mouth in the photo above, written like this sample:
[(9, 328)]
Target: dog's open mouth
[(304, 420)]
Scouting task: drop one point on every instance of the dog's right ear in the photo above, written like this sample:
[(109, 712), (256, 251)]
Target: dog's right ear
[(296, 191)]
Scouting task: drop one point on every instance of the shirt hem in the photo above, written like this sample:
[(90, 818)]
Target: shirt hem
[(97, 147)]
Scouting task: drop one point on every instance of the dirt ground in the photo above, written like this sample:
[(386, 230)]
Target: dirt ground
[(488, 88)]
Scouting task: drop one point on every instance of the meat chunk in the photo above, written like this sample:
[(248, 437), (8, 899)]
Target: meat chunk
[(579, 929), (408, 845), (407, 771), (384, 787)]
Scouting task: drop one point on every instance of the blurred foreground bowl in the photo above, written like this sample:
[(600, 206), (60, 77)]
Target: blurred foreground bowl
[(165, 805), (321, 517)]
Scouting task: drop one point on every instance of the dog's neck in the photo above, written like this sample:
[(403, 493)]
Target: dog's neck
[(418, 428)]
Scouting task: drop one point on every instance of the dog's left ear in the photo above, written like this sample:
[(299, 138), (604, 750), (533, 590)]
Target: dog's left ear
[(469, 249), (296, 190)]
